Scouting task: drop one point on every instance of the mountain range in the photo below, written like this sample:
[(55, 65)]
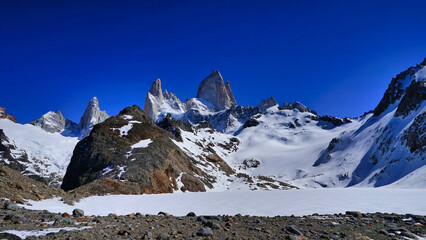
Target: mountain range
[(210, 143)]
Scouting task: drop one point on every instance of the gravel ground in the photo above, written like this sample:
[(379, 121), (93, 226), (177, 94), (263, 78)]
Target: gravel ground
[(352, 225)]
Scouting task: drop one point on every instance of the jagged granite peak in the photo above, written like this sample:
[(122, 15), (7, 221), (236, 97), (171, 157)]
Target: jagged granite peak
[(215, 91), (4, 115), (51, 122), (267, 103), (154, 99), (398, 85), (92, 116), (156, 89), (299, 106)]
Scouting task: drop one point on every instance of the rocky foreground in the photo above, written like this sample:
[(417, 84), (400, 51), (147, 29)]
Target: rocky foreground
[(75, 225)]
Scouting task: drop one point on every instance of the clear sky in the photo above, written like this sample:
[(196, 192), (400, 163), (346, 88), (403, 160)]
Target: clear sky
[(336, 57)]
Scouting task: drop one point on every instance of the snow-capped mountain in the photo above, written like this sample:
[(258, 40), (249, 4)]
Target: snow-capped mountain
[(213, 144), (54, 122), (293, 144), (43, 148), (390, 146)]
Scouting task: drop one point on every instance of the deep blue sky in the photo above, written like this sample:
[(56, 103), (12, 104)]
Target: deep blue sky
[(336, 57)]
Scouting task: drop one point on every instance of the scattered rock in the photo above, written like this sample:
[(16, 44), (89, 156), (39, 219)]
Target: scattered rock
[(205, 232), (78, 213), (293, 229)]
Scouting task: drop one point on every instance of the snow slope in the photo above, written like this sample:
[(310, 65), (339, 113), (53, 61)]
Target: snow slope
[(259, 203), (48, 153)]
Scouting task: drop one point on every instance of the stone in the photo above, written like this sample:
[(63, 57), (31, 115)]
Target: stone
[(191, 214), (354, 213), (205, 232), (212, 225), (9, 236), (293, 229), (11, 206), (63, 221), (16, 218), (78, 213)]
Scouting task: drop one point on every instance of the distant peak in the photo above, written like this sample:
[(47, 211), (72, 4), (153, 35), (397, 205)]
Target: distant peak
[(215, 91), (299, 106), (267, 103)]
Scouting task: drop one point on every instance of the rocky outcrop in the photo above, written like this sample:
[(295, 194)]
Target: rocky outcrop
[(92, 116), (298, 106), (11, 156), (215, 91), (415, 137), (133, 153), (174, 126), (4, 115), (414, 96), (267, 103), (397, 87)]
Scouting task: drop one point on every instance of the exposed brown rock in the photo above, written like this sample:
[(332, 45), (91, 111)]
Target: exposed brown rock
[(107, 153), (4, 115)]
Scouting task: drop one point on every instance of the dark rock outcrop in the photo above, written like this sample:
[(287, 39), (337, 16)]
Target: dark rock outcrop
[(109, 161), (215, 91), (251, 123), (298, 106), (414, 96), (267, 103), (396, 88), (414, 136), (4, 115), (174, 126)]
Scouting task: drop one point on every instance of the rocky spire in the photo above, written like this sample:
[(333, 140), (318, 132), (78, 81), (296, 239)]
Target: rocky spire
[(4, 115), (215, 91), (92, 116), (154, 99), (156, 89)]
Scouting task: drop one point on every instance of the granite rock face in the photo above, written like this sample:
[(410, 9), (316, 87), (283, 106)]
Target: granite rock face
[(4, 115), (92, 116), (215, 91), (111, 159), (55, 122)]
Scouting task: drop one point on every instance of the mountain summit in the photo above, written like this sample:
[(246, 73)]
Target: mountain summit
[(92, 116), (218, 93)]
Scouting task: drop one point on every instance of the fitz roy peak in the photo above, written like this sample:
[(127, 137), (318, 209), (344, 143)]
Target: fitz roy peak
[(211, 143), (216, 92)]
